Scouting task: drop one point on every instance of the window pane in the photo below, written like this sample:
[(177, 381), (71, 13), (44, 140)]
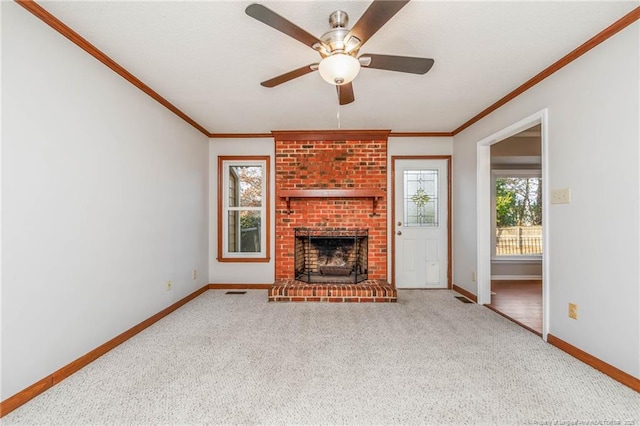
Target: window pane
[(232, 231), (246, 233), (518, 216), (421, 197), (245, 186)]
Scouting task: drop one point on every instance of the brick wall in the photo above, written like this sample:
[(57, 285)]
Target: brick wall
[(331, 164)]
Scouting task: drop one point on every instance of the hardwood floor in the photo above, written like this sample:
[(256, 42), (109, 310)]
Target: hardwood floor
[(520, 301)]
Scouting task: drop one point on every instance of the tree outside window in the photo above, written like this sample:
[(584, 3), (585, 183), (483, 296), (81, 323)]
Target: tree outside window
[(518, 203)]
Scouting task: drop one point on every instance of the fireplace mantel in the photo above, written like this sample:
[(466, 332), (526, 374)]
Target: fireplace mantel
[(374, 194)]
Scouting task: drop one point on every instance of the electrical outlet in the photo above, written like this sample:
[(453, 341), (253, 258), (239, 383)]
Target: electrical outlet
[(194, 274), (561, 196), (573, 311), (169, 285)]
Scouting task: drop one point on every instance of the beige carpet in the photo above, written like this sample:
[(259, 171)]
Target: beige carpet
[(429, 359)]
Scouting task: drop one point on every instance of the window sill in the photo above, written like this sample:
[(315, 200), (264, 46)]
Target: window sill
[(517, 259), (243, 259)]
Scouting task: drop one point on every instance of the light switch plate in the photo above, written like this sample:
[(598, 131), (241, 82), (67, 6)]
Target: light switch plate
[(561, 196)]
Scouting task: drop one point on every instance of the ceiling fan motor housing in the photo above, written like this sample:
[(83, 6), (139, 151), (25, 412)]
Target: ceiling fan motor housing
[(335, 37), (339, 19)]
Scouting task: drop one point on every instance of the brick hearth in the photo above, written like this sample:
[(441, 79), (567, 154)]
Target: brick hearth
[(367, 291)]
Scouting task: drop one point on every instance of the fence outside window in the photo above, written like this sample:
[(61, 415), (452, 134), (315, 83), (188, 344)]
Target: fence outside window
[(519, 240)]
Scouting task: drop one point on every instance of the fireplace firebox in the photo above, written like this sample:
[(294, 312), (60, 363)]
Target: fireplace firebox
[(332, 256)]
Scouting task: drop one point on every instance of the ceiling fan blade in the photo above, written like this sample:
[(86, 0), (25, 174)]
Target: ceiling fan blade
[(378, 13), (345, 93), (267, 16), (397, 63), (283, 78)]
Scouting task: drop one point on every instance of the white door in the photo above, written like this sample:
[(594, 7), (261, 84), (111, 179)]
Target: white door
[(420, 228)]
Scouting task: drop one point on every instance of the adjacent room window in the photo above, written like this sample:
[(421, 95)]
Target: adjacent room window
[(518, 213), (243, 209)]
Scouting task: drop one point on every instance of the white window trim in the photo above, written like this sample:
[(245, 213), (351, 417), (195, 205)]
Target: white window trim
[(496, 173), (226, 164)]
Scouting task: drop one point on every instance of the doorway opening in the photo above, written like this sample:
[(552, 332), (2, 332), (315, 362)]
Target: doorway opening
[(516, 222), (512, 211)]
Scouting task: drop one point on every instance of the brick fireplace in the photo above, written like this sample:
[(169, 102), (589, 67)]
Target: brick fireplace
[(336, 181)]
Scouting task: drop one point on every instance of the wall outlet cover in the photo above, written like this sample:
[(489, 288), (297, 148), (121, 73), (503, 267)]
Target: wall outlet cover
[(573, 311)]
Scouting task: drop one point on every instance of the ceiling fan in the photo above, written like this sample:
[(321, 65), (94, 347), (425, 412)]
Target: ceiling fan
[(339, 46)]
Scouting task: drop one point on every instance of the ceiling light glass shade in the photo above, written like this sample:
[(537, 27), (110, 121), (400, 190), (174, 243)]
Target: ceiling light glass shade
[(339, 68)]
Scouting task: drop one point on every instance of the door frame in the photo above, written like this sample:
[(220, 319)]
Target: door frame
[(393, 211), (483, 208)]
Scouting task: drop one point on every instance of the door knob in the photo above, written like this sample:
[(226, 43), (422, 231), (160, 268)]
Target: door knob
[(399, 232), (399, 223)]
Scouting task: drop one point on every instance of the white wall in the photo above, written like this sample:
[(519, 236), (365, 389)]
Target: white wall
[(419, 146), (234, 272), (516, 270), (404, 146), (104, 196), (593, 137), (263, 273)]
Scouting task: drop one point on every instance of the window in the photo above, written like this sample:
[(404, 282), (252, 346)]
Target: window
[(243, 209), (517, 200)]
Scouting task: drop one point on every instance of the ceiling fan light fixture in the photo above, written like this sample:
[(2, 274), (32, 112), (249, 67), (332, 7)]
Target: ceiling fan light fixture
[(339, 69)]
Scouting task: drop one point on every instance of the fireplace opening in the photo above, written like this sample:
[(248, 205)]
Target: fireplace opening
[(332, 256)]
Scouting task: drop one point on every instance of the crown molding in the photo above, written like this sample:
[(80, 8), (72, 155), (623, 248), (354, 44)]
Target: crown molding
[(270, 135), (239, 135), (420, 134)]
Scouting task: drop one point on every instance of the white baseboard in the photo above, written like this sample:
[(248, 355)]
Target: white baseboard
[(516, 277)]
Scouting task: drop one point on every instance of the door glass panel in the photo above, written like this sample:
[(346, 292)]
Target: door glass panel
[(421, 197)]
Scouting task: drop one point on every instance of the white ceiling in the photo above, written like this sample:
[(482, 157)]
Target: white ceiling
[(208, 57)]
